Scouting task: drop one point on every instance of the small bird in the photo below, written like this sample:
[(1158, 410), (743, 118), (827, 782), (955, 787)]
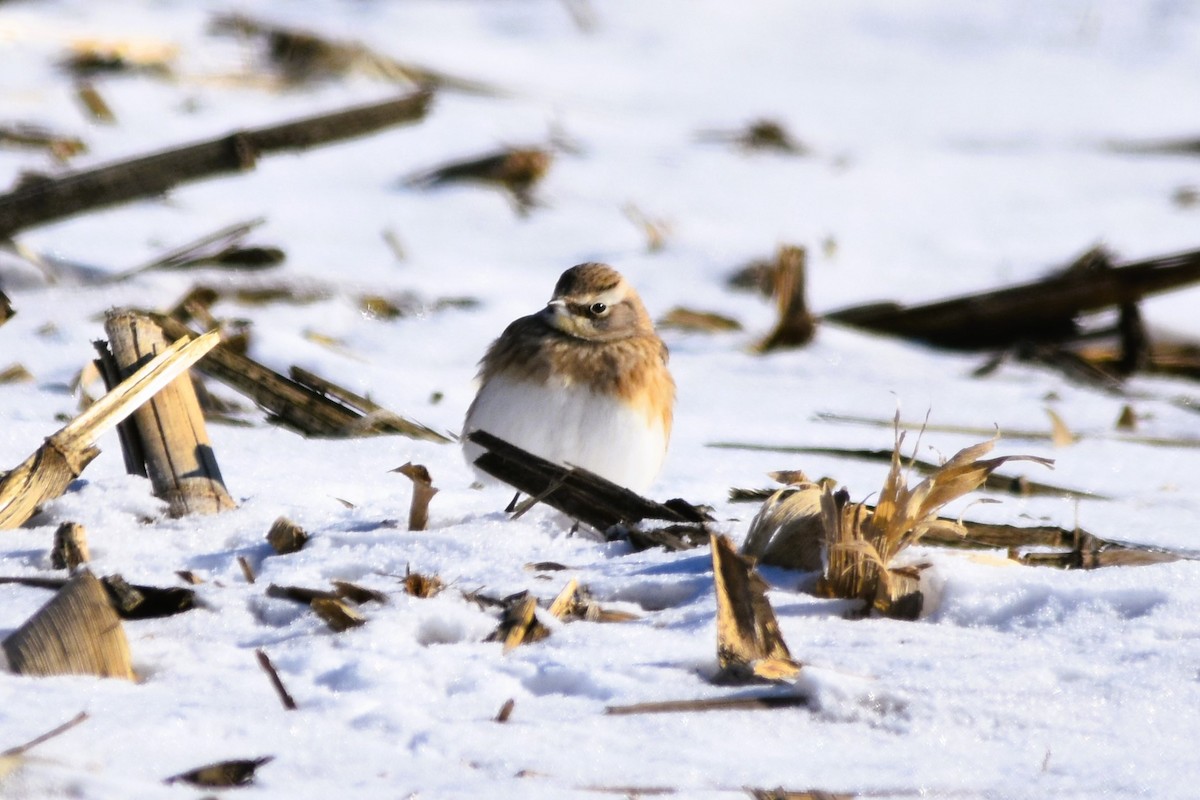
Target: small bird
[(583, 382)]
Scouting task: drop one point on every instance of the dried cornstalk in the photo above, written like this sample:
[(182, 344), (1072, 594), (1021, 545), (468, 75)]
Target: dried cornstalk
[(70, 547), (575, 603), (77, 633), (862, 543), (788, 531), (749, 643), (337, 614), (796, 325), (46, 474), (291, 402), (423, 492), (286, 537), (519, 625), (170, 430)]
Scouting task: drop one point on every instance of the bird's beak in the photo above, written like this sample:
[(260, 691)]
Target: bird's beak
[(557, 315)]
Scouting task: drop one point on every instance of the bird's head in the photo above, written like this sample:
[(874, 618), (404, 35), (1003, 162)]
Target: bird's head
[(593, 302)]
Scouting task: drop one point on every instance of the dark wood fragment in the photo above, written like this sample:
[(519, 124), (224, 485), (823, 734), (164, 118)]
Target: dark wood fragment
[(146, 176), (506, 710)]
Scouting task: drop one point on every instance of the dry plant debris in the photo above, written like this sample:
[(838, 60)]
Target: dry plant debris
[(93, 103), (796, 325), (810, 794), (999, 482), (517, 170), (519, 623), (301, 56), (91, 56), (59, 146), (576, 492), (506, 710), (286, 537), (6, 309), (76, 633), (166, 439), (575, 603), (753, 702), (308, 409), (861, 543), (763, 134), (423, 492), (222, 774), (788, 529), (15, 373), (358, 594), (687, 319), (421, 585), (749, 643), (656, 230), (70, 547), (1041, 311), (285, 697), (49, 470), (338, 615), (51, 199), (221, 248)]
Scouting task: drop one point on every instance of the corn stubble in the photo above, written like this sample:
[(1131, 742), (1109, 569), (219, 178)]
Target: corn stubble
[(857, 545)]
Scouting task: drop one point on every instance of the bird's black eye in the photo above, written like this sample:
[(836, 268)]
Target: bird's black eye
[(597, 309)]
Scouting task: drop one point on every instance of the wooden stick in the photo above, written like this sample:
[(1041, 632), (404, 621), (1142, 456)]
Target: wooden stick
[(770, 701), (22, 749), (46, 474), (264, 661), (40, 202), (179, 455)]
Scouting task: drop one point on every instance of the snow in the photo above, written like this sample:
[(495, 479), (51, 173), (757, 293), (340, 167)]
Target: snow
[(954, 150)]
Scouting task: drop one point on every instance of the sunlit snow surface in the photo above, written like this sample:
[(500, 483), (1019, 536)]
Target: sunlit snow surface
[(955, 147)]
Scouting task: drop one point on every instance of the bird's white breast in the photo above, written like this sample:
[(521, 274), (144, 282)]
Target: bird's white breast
[(572, 425)]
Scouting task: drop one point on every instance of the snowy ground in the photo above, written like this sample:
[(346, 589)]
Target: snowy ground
[(954, 149)]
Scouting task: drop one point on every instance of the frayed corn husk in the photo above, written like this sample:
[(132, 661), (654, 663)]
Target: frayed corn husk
[(811, 527)]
